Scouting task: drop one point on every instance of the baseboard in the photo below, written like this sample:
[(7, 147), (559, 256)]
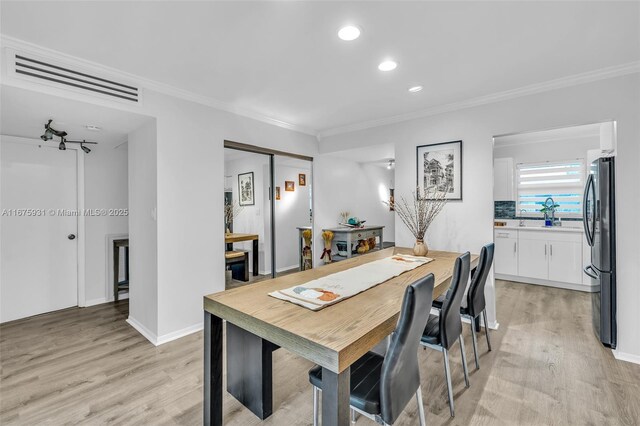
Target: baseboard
[(102, 300), (94, 302), (166, 338), (623, 356), (546, 283), (150, 336)]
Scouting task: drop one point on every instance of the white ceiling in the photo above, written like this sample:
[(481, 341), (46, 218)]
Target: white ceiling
[(284, 60), (23, 113), (564, 133), (374, 154)]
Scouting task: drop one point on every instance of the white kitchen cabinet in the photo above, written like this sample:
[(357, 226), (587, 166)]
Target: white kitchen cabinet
[(506, 252), (503, 180), (533, 257), (565, 261)]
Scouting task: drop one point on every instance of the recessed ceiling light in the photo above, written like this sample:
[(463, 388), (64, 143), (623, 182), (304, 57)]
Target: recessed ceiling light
[(387, 66), (349, 33), (92, 128), (415, 89)]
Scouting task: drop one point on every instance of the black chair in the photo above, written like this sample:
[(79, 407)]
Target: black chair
[(475, 304), (442, 331), (382, 386)]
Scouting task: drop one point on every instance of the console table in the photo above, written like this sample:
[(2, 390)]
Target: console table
[(352, 235)]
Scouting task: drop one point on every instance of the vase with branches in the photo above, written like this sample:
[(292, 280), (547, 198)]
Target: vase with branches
[(231, 211), (419, 212)]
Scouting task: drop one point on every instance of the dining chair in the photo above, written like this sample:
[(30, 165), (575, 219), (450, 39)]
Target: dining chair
[(475, 303), (381, 386), (442, 331)]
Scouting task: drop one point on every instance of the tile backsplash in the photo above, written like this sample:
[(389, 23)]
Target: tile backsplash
[(504, 210)]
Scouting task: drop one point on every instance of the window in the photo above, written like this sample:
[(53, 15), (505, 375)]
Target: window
[(562, 181)]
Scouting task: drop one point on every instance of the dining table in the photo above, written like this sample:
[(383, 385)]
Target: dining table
[(333, 337), (234, 237)]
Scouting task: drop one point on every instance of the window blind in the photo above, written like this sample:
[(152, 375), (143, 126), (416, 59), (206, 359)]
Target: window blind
[(563, 181)]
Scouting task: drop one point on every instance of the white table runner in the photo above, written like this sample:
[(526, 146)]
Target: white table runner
[(331, 289)]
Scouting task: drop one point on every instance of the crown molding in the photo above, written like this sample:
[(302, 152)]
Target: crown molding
[(572, 80), (145, 83)]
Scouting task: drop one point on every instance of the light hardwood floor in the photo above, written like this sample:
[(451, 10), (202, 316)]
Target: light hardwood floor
[(87, 366)]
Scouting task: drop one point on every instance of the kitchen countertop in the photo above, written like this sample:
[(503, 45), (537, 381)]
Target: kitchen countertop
[(542, 228)]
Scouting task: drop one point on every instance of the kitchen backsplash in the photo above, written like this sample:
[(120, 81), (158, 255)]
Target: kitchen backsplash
[(507, 210)]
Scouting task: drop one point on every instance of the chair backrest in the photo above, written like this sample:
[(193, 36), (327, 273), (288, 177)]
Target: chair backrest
[(475, 298), (450, 323), (400, 376)]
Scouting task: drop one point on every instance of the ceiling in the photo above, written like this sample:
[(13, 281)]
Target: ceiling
[(284, 60), (23, 113), (564, 133), (374, 154)]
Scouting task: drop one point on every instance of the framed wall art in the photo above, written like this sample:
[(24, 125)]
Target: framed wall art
[(246, 189), (439, 167)]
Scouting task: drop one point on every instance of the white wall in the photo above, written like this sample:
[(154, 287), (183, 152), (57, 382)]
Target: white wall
[(467, 225), (343, 184), (190, 184), (292, 210), (106, 187), (143, 231)]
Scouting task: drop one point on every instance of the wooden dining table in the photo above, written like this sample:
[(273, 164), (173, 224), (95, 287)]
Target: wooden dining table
[(231, 238), (334, 337)]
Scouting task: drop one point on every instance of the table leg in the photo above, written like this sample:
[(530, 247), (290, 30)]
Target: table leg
[(249, 370), (348, 245), (255, 257), (381, 239), (212, 412), (335, 397)]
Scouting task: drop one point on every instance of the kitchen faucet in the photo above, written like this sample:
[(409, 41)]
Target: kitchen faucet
[(548, 207)]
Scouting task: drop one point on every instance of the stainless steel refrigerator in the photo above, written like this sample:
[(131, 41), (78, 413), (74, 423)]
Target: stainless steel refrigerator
[(600, 231)]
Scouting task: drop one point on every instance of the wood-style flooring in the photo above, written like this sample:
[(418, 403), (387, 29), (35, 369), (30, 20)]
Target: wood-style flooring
[(88, 366)]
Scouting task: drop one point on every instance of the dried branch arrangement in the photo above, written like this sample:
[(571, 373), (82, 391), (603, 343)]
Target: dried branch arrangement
[(231, 211), (417, 214)]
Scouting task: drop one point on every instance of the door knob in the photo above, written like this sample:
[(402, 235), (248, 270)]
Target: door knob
[(71, 236)]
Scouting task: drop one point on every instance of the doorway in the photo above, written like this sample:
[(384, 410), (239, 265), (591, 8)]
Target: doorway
[(268, 213), (39, 228)]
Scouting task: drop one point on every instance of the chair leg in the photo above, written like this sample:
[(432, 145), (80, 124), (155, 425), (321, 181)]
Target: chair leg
[(316, 392), (423, 422), (474, 339), (353, 416), (486, 328), (464, 361), (447, 373)]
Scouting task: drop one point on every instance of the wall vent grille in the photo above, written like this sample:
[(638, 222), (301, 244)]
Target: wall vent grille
[(33, 68)]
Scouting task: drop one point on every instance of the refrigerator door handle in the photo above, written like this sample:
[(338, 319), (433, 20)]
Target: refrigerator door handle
[(585, 218), (593, 275)]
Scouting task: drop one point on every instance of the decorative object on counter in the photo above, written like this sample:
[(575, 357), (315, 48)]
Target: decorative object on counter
[(277, 192), (344, 215), (302, 179), (289, 185), (440, 169), (306, 250), (353, 222), (246, 189), (500, 224), (418, 215), (231, 211), (327, 236), (391, 200)]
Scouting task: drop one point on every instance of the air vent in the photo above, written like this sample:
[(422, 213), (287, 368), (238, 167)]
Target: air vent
[(42, 70)]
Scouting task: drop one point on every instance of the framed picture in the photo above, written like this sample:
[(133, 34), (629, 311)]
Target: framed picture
[(439, 166), (289, 185), (246, 189), (277, 192), (302, 179)]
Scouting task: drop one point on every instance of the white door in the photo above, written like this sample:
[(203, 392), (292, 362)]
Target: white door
[(565, 261), (506, 252), (39, 260), (532, 258)]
